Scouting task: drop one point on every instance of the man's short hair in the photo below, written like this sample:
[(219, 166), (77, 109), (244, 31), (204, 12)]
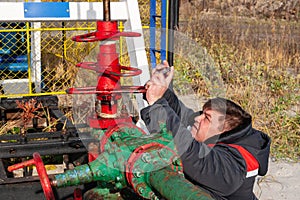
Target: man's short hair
[(233, 113)]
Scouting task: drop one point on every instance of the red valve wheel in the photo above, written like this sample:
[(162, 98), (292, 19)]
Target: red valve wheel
[(103, 35), (45, 182), (40, 168)]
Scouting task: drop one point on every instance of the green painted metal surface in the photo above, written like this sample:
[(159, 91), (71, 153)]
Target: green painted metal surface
[(173, 186), (100, 193), (147, 163), (100, 169)]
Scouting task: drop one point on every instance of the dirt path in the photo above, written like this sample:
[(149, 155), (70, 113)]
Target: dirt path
[(281, 182)]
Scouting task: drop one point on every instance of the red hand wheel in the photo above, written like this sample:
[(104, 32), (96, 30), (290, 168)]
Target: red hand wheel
[(40, 167)]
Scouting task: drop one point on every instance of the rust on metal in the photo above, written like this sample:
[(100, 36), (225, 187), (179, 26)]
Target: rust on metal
[(106, 10)]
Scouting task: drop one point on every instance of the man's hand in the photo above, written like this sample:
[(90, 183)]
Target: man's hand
[(161, 78)]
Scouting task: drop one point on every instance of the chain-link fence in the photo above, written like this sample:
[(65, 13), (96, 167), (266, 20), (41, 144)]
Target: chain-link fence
[(39, 58)]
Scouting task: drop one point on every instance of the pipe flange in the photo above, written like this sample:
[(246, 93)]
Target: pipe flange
[(144, 159), (114, 129)]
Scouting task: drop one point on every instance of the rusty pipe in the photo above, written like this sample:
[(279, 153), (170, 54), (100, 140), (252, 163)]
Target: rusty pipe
[(106, 10)]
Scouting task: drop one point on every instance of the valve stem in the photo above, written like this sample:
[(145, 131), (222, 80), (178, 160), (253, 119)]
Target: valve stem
[(106, 10)]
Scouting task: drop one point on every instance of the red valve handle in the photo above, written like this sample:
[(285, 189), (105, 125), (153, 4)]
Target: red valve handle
[(40, 168), (100, 36), (129, 71), (92, 90)]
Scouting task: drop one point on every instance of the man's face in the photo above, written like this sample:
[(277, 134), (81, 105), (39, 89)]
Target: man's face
[(208, 124)]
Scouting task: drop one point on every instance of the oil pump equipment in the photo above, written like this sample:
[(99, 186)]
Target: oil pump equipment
[(124, 155)]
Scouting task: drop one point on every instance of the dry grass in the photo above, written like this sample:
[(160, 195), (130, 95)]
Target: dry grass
[(259, 62)]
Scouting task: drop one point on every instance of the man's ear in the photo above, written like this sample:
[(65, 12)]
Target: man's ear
[(226, 127)]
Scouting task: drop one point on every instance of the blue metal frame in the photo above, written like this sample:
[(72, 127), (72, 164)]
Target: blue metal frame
[(163, 39), (152, 32)]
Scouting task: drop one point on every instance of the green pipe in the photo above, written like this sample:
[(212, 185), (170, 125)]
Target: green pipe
[(173, 186), (79, 175), (101, 169)]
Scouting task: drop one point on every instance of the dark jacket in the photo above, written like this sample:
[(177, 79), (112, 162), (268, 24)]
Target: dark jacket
[(220, 169)]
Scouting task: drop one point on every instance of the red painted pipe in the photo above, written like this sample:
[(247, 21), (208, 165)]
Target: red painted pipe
[(21, 165), (108, 89), (40, 168)]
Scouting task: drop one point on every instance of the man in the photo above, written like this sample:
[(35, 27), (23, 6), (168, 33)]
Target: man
[(219, 149)]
